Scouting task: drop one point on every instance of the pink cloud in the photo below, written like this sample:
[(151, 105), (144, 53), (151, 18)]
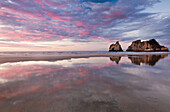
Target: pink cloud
[(80, 23), (56, 16), (56, 4), (40, 3), (22, 35), (115, 15), (79, 8), (83, 33), (21, 13)]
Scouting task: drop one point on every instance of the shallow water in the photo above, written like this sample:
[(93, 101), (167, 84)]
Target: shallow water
[(96, 84)]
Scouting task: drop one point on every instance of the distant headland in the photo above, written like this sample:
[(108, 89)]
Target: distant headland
[(138, 46)]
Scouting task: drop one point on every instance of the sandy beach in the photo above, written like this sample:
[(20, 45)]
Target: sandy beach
[(4, 58)]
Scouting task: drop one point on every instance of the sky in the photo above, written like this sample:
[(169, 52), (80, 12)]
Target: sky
[(81, 25)]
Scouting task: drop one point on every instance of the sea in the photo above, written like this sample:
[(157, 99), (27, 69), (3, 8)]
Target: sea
[(127, 83)]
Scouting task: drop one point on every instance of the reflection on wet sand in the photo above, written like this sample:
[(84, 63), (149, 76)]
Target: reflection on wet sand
[(115, 59), (142, 59), (88, 85), (146, 59), (58, 89)]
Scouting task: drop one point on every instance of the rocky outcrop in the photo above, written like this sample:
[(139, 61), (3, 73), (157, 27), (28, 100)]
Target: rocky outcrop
[(146, 46), (115, 47), (146, 59)]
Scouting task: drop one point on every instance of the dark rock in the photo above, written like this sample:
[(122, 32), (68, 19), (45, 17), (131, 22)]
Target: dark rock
[(115, 47), (147, 59), (146, 46)]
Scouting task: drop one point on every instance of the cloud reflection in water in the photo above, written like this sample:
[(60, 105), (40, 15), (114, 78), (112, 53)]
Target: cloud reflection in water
[(84, 84)]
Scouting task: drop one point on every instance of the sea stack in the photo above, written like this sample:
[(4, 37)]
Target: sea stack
[(115, 47), (146, 46)]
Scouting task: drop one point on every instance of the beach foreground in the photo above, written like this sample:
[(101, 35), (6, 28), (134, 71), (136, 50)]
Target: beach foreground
[(118, 82)]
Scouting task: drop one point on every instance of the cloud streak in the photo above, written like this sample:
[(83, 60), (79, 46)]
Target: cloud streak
[(90, 20)]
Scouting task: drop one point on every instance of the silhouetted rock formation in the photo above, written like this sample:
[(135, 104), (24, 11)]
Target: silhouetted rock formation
[(115, 59), (115, 47), (146, 46), (146, 59)]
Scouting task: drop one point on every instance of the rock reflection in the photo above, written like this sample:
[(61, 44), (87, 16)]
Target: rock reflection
[(140, 59), (146, 59), (115, 59)]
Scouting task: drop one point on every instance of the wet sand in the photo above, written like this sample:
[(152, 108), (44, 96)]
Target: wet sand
[(85, 83), (31, 57)]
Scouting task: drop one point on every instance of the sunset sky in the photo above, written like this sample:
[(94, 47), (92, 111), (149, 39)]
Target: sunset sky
[(81, 25)]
